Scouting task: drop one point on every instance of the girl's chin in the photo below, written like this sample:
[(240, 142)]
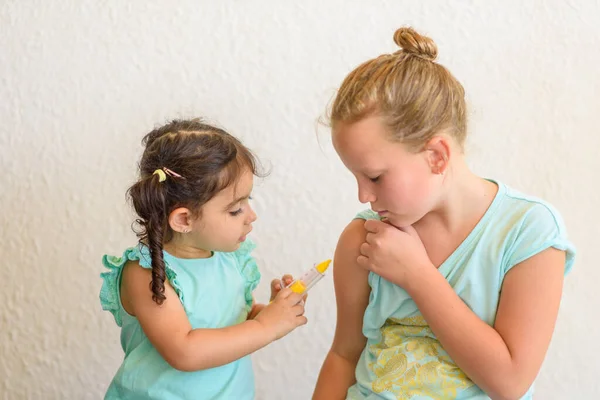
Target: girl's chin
[(397, 222)]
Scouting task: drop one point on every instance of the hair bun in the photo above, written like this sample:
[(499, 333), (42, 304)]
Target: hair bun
[(413, 43)]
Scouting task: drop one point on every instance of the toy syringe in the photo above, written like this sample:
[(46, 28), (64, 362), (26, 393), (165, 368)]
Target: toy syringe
[(309, 278)]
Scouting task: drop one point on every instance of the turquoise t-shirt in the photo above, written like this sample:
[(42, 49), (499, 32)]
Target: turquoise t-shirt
[(216, 292), (402, 358)]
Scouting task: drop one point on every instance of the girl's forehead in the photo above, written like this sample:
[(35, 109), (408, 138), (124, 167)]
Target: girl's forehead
[(364, 142), (241, 187), (368, 134)]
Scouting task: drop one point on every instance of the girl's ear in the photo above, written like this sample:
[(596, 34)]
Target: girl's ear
[(180, 220), (438, 154)]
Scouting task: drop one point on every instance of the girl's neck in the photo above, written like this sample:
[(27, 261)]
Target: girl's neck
[(179, 249), (465, 200)]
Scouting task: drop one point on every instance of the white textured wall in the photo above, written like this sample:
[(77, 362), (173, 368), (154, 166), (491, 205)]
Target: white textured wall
[(82, 81)]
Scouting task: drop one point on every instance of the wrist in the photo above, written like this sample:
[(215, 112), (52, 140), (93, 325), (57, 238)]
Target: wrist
[(263, 331), (256, 308), (421, 278)]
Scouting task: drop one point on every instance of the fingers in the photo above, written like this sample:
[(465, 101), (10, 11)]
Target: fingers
[(290, 296), (362, 261), (275, 285), (365, 249), (295, 298), (284, 293), (287, 279), (373, 225), (298, 309), (370, 238)]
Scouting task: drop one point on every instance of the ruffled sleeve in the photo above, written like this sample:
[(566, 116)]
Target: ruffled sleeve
[(248, 268), (111, 280), (110, 298)]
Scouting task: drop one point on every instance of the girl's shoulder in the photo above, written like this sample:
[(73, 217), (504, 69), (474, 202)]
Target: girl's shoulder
[(110, 297), (527, 225)]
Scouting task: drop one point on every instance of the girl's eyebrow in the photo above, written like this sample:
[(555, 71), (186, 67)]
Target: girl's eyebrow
[(237, 200), (240, 199)]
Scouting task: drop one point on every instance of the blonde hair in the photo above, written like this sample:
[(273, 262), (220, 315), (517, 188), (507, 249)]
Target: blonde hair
[(416, 97)]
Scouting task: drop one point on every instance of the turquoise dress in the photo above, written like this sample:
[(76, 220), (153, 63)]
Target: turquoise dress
[(403, 358), (216, 292)]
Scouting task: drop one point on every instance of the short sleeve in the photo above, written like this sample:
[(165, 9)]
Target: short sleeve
[(110, 298), (540, 228), (248, 268)]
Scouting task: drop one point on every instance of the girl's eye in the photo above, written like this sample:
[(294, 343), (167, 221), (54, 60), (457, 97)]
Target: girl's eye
[(236, 212), (239, 210), (374, 180)]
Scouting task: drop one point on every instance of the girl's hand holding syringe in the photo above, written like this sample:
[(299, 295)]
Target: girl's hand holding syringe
[(283, 314), (285, 311), (301, 285), (278, 284)]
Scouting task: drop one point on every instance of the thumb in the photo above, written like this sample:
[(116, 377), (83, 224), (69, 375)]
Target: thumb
[(410, 231), (287, 279), (276, 285)]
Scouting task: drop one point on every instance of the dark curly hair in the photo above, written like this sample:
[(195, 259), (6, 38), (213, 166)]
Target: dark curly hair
[(200, 160)]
